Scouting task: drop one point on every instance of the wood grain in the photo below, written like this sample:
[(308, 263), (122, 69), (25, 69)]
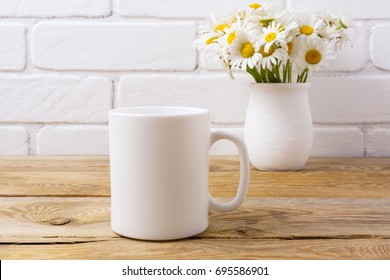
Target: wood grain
[(59, 208), (54, 183), (231, 163), (203, 249), (217, 163), (89, 176), (374, 184), (258, 218)]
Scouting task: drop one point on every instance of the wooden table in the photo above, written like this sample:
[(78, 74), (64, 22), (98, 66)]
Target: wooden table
[(336, 208)]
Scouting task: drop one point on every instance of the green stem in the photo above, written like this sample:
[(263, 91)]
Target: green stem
[(271, 76), (255, 74), (342, 25), (287, 72), (263, 73), (306, 75), (276, 70), (302, 78)]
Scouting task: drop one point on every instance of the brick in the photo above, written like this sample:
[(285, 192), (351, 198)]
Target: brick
[(180, 9), (363, 99), (14, 140), (114, 46), (73, 140), (377, 9), (378, 142), (12, 47), (225, 98), (348, 59), (54, 99), (337, 142), (54, 8), (380, 46)]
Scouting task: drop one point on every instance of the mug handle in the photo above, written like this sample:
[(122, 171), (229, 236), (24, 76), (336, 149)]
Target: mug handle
[(217, 135)]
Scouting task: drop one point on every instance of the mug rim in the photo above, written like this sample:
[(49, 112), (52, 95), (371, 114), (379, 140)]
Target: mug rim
[(158, 111)]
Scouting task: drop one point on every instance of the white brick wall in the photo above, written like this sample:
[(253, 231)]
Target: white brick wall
[(380, 45), (64, 64), (47, 99), (113, 46), (12, 47), (360, 9), (73, 140), (180, 8), (14, 140), (378, 142), (54, 8), (340, 141)]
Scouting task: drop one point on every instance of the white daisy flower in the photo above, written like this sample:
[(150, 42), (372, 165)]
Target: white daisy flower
[(255, 6), (230, 33), (238, 14), (288, 22), (346, 27), (209, 33), (293, 46), (309, 25), (229, 37), (261, 9), (273, 34), (329, 32), (262, 35), (293, 51), (221, 53), (262, 13), (243, 51), (315, 53), (272, 56)]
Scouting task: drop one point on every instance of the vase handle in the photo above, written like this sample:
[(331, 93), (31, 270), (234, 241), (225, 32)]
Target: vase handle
[(217, 135)]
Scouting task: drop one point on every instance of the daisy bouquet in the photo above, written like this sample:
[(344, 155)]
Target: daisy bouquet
[(274, 45)]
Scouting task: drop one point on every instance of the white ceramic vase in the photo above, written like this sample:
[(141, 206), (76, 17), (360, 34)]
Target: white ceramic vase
[(278, 126)]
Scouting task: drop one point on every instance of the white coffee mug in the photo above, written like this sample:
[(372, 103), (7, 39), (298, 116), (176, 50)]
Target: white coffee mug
[(159, 171)]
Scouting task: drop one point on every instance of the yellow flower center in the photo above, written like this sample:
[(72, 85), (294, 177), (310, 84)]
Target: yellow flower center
[(266, 54), (290, 47), (266, 22), (307, 30), (247, 50), (255, 6), (211, 40), (231, 37), (313, 57), (221, 27), (270, 37)]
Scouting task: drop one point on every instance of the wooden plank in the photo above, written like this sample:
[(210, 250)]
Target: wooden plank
[(54, 163), (89, 176), (231, 163), (204, 249), (373, 184), (217, 163), (348, 164), (52, 220), (54, 183)]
